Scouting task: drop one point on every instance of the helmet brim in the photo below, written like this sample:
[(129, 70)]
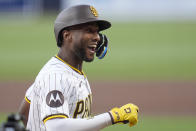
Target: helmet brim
[(102, 24)]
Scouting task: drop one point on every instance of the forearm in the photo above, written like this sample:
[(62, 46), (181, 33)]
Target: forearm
[(94, 124)]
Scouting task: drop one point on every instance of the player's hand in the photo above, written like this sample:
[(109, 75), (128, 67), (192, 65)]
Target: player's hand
[(102, 46), (125, 114)]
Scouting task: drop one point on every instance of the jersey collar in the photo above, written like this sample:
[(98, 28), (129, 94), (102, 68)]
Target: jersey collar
[(80, 72)]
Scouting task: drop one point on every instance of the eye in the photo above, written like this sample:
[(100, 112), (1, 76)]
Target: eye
[(89, 30)]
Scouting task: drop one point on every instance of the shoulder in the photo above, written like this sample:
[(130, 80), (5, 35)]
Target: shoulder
[(54, 67)]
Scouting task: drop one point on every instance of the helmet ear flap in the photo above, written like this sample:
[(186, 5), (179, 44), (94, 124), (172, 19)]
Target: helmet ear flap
[(104, 53), (102, 46)]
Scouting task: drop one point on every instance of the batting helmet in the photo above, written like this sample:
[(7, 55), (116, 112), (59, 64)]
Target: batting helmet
[(75, 15)]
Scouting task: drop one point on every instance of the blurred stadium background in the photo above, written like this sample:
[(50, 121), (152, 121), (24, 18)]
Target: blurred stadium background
[(151, 59)]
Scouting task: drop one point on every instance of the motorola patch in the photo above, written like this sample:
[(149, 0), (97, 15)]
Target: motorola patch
[(54, 99)]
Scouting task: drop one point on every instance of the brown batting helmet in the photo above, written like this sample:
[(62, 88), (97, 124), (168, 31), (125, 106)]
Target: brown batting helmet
[(75, 15)]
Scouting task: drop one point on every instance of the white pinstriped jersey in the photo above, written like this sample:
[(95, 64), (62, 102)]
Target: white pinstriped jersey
[(58, 92)]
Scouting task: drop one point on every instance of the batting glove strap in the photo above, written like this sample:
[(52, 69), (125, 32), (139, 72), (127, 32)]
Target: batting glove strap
[(125, 114), (116, 116), (112, 119)]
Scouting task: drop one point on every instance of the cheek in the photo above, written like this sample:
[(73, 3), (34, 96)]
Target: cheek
[(86, 38), (76, 38), (81, 40)]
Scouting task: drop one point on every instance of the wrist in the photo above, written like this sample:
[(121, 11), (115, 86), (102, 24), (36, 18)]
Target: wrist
[(112, 119), (115, 115)]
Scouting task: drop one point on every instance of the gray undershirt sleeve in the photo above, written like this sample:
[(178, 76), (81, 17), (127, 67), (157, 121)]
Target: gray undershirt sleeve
[(69, 124)]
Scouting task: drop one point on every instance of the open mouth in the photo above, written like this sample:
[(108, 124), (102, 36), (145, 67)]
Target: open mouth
[(92, 48)]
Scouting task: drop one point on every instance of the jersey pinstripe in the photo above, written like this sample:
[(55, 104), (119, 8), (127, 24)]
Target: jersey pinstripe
[(58, 92)]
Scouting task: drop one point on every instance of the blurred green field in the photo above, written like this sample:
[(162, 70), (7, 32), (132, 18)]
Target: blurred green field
[(159, 124), (162, 50), (151, 124)]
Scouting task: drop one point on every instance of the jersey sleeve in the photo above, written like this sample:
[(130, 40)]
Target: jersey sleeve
[(29, 94), (54, 97)]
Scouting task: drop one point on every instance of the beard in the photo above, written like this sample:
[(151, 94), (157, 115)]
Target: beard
[(82, 54)]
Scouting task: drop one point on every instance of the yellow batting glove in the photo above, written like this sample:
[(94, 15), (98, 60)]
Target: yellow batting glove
[(125, 114)]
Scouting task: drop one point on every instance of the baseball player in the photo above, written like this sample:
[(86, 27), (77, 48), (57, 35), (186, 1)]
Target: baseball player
[(60, 98)]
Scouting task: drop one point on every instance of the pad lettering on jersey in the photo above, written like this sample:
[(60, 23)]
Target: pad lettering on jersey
[(55, 99), (83, 108)]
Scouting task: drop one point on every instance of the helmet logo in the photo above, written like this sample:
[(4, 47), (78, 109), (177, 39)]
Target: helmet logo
[(94, 11)]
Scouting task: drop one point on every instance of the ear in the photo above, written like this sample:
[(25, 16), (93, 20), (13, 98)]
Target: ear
[(66, 35)]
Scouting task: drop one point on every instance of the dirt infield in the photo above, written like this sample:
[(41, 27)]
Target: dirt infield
[(153, 97)]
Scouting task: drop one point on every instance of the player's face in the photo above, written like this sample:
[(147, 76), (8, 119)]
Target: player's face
[(85, 38)]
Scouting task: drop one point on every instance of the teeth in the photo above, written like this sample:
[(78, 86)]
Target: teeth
[(92, 46)]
